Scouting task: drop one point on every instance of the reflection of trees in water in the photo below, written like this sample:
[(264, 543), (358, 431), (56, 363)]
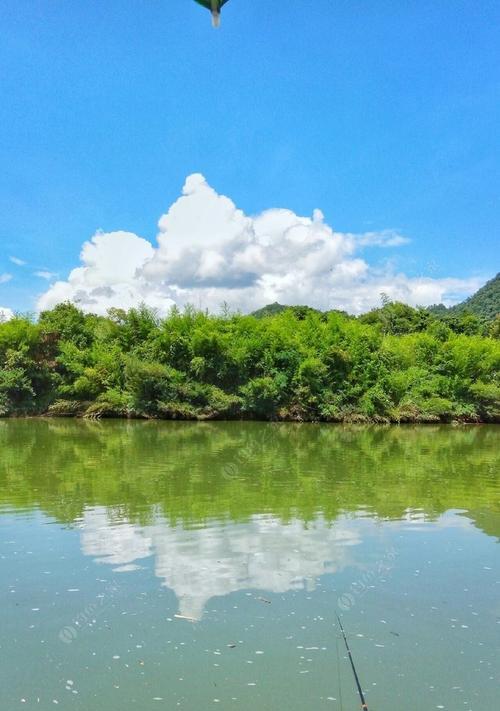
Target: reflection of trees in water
[(197, 471)]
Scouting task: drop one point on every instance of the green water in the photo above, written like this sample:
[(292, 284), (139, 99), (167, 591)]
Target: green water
[(259, 534)]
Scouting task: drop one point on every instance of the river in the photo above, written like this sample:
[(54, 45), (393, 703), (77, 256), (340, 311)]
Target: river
[(149, 565)]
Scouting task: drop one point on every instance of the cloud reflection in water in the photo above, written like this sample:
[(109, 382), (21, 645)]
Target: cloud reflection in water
[(201, 563)]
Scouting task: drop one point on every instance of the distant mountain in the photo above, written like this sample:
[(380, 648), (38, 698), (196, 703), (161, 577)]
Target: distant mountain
[(485, 303), (275, 308), (269, 310)]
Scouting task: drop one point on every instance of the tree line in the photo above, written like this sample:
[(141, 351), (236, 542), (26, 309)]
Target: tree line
[(393, 364)]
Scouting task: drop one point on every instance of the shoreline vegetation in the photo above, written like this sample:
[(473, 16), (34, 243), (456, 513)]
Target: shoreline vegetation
[(395, 364)]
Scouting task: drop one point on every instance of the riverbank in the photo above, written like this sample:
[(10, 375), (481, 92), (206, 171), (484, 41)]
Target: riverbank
[(396, 364), (65, 411)]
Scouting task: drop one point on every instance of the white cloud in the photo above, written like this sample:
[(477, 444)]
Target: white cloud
[(108, 276), (210, 252), (44, 274), (385, 238), (5, 314), (4, 278), (17, 261)]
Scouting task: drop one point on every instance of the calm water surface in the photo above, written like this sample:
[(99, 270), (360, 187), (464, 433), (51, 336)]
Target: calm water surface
[(165, 565)]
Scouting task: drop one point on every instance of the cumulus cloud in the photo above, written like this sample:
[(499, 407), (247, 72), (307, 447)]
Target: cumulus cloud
[(5, 314), (209, 252), (109, 276)]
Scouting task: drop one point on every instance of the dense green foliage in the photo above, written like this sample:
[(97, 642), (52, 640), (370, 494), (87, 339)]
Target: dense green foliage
[(394, 364)]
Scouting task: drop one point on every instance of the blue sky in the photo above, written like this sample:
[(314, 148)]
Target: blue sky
[(382, 114)]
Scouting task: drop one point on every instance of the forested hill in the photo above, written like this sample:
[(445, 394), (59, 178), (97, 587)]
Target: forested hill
[(485, 303), (394, 364)]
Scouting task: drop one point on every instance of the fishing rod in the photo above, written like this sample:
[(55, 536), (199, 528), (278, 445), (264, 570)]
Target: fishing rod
[(356, 678)]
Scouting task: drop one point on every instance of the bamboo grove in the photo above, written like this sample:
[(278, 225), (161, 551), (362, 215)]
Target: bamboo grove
[(394, 364)]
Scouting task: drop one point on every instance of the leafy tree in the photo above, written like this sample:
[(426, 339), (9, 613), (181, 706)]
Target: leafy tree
[(68, 323)]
